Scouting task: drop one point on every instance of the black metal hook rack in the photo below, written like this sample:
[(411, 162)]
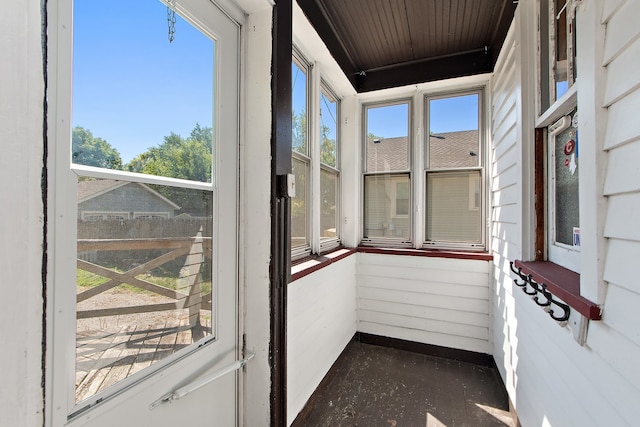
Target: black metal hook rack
[(540, 294)]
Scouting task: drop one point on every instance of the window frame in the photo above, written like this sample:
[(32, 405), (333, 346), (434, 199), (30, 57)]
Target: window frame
[(327, 244), (550, 110), (316, 87), (480, 245), (393, 175), (305, 66)]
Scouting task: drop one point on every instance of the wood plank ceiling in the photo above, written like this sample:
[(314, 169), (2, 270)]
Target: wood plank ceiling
[(389, 43)]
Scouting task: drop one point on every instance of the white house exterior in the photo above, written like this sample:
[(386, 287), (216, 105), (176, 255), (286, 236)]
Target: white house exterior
[(554, 376)]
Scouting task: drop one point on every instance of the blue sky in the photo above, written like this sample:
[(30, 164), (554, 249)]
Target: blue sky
[(446, 115), (131, 86)]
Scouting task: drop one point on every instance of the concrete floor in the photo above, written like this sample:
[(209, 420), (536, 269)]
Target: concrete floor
[(373, 386)]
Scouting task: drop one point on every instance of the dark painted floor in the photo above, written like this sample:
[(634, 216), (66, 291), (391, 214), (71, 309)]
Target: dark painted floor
[(374, 386)]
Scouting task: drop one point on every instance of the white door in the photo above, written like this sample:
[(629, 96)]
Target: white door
[(143, 194)]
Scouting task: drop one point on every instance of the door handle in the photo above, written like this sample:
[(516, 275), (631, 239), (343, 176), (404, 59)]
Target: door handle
[(200, 382)]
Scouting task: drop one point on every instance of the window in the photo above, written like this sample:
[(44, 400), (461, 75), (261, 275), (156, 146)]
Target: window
[(301, 158), (453, 166), (315, 209), (558, 50), (563, 187), (329, 170), (387, 174), (559, 123), (449, 191)]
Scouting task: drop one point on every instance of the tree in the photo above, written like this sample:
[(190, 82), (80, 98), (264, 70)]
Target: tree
[(176, 157), (91, 151)]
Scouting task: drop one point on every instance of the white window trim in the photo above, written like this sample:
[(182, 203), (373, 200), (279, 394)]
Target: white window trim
[(483, 135), (412, 135), (87, 215)]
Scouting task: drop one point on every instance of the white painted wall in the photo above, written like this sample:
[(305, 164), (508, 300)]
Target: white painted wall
[(438, 301), (321, 321), (551, 379), (22, 222)]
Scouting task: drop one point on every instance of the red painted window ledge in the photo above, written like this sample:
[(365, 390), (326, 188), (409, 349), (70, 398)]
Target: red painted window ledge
[(563, 283)]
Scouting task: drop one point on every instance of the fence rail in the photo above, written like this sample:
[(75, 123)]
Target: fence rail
[(188, 293)]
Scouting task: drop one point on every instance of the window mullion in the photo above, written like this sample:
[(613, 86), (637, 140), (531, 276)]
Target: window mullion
[(314, 146)]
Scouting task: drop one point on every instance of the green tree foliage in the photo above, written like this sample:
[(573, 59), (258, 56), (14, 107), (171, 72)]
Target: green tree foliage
[(176, 157), (91, 151)]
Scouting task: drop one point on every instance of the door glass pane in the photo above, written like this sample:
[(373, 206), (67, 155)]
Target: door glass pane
[(328, 207), (387, 145), (453, 139), (144, 277), (299, 208), (453, 211), (140, 102), (386, 206), (144, 266)]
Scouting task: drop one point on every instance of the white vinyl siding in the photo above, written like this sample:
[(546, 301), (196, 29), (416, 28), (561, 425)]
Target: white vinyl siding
[(437, 301), (550, 378)]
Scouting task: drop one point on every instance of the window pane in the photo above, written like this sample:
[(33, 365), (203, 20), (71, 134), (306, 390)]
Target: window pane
[(567, 215), (328, 206), (561, 47), (165, 125), (387, 146), (144, 277), (328, 130), (299, 109), (299, 205), (453, 139), (453, 211), (383, 209)]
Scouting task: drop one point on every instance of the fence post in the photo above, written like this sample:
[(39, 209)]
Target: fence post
[(191, 278)]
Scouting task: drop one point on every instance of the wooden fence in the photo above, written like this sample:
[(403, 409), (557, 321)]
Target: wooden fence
[(188, 293)]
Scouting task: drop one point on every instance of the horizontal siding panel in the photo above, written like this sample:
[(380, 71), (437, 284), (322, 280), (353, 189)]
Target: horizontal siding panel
[(623, 170), (620, 265), (443, 340), (505, 230), (427, 287), (427, 325), (505, 145), (621, 353), (623, 217), (505, 251), (504, 133), (506, 213), (622, 30), (609, 8), (431, 263), (619, 80), (426, 300), (508, 160), (509, 177), (616, 391), (623, 125), (378, 276), (504, 97), (508, 196), (621, 312), (434, 313)]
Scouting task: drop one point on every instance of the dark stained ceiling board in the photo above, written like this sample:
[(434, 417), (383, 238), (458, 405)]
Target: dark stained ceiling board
[(388, 43)]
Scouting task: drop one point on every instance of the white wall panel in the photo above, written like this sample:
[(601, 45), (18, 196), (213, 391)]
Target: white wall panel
[(431, 300), (321, 320)]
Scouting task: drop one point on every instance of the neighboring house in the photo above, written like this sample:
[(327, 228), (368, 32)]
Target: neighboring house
[(104, 199)]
